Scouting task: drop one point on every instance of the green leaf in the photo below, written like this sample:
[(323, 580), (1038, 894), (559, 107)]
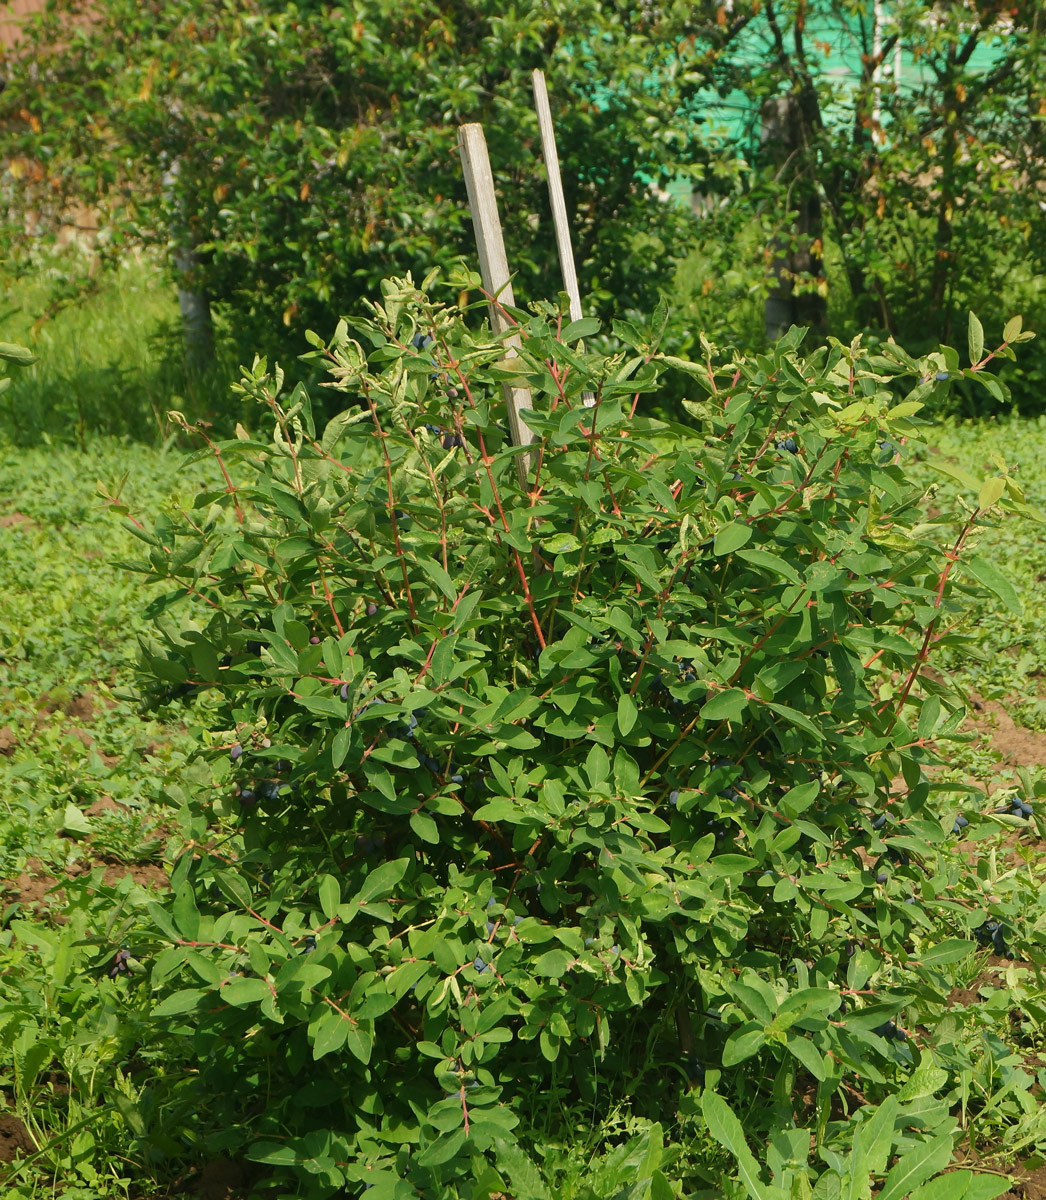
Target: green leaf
[(185, 914), (74, 820), (985, 1187), (992, 491), (522, 1174), (273, 1154), (330, 895), (731, 537), (660, 1188), (728, 705), (805, 1051), (584, 327), (873, 1141), (329, 1034), (915, 1167), (924, 1081), (553, 964), (770, 562), (443, 1149), (727, 1131), (178, 1002), (1012, 329), (11, 352), (953, 1186), (627, 713), (993, 579), (381, 882), (243, 990), (976, 340), (951, 950)]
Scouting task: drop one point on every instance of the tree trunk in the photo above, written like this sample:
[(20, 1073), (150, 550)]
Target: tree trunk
[(799, 254), (194, 304)]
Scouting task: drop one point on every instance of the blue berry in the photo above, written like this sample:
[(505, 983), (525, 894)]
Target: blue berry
[(371, 609), (879, 821), (673, 797), (235, 752), (344, 691), (882, 877), (120, 964), (788, 444), (480, 965), (890, 1032), (941, 376), (959, 824)]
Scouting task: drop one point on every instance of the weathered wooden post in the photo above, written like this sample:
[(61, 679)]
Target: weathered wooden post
[(493, 267), (559, 205)]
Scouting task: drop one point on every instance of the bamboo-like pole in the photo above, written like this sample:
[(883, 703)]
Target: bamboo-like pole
[(559, 205), (493, 266)]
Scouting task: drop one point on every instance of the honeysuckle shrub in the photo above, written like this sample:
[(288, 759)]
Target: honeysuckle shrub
[(534, 800)]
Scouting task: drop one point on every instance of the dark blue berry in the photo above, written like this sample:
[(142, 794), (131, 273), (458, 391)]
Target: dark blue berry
[(344, 691), (879, 821), (788, 444), (247, 796), (959, 824), (890, 1032), (310, 944), (882, 877), (120, 964), (942, 376)]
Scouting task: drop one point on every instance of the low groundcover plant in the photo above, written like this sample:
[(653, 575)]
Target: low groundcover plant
[(531, 802)]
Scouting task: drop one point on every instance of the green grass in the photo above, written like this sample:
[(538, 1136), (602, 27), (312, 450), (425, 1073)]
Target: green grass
[(1010, 663), (109, 357), (77, 1053)]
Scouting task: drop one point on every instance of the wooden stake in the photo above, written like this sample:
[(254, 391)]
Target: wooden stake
[(559, 205), (493, 266)]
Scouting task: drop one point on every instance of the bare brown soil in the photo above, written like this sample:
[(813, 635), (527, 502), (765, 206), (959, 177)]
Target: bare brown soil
[(36, 889), (15, 1140), (1016, 746)]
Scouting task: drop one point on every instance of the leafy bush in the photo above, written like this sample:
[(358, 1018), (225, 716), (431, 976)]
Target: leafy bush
[(536, 802)]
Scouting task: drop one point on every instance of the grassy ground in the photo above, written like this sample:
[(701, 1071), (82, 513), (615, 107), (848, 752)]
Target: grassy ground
[(108, 352), (91, 1097)]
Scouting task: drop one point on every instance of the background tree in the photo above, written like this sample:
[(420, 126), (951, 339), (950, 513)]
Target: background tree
[(292, 155), (897, 169)]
